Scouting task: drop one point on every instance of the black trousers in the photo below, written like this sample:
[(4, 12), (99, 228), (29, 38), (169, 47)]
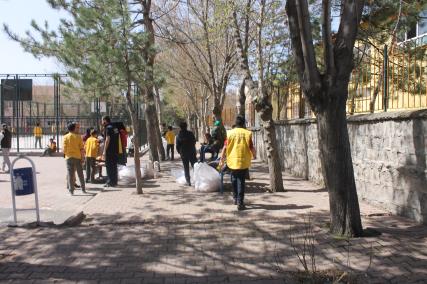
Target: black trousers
[(186, 161), (238, 181), (169, 148), (111, 165)]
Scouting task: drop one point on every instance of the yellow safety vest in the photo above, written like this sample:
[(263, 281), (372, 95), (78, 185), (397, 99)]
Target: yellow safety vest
[(238, 152), (38, 131)]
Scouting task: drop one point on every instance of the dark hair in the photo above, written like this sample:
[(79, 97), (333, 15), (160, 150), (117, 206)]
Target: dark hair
[(93, 132), (71, 126), (170, 127), (106, 118), (37, 123), (240, 121), (88, 131), (183, 125)]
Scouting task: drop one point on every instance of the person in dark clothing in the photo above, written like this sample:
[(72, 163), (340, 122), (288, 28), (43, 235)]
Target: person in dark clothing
[(111, 151), (186, 147), (208, 147), (6, 144)]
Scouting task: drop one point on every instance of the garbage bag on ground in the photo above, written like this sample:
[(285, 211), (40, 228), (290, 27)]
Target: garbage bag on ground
[(180, 176), (127, 173), (206, 178)]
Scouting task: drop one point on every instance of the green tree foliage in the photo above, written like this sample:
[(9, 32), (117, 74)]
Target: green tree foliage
[(99, 45)]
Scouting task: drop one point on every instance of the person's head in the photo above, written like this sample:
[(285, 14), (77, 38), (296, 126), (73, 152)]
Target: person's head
[(51, 140), (37, 123), (208, 135), (183, 125), (94, 133), (106, 120), (71, 127), (217, 123), (88, 131), (170, 128), (164, 124), (240, 121), (4, 126)]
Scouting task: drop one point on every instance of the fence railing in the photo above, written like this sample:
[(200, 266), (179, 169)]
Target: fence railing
[(384, 79)]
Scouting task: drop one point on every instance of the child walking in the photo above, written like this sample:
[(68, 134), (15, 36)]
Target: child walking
[(91, 149)]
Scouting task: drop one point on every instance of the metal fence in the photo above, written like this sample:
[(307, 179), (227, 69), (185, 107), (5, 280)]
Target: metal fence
[(384, 79), (52, 106)]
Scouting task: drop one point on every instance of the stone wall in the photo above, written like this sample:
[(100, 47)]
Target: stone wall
[(389, 153)]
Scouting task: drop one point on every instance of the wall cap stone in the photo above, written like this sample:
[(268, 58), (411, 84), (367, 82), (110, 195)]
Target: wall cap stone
[(374, 117)]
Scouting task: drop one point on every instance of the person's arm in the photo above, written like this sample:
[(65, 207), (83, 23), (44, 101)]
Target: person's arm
[(65, 146), (178, 145), (252, 148), (106, 143), (223, 152)]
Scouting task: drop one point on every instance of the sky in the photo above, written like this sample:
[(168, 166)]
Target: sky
[(18, 15)]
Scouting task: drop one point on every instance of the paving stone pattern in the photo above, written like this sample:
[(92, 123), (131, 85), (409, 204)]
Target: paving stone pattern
[(171, 234)]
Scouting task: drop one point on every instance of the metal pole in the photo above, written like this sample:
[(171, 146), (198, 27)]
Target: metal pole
[(2, 102), (57, 100), (385, 79), (17, 111)]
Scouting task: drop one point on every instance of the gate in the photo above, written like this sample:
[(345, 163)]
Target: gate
[(43, 100)]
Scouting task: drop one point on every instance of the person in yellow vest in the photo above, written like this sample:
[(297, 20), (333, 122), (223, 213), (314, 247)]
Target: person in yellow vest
[(38, 135), (73, 153), (238, 152), (170, 139), (91, 148)]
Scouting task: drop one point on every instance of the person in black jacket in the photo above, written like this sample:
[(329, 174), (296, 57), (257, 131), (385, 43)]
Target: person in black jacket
[(186, 147), (6, 144)]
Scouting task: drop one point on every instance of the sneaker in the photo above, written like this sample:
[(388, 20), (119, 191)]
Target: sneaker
[(71, 192), (241, 207), (76, 185), (189, 183), (84, 190)]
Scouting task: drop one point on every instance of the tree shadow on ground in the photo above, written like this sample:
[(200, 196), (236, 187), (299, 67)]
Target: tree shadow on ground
[(198, 251), (254, 206)]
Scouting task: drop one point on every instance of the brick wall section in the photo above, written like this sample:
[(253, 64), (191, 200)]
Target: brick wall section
[(389, 153)]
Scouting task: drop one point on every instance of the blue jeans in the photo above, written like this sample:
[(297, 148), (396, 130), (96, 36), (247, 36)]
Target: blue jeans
[(238, 182), (207, 149)]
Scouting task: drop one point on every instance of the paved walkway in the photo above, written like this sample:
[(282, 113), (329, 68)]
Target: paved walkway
[(55, 204), (172, 234)]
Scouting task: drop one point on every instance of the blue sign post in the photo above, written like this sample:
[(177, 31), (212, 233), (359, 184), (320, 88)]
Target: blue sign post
[(24, 182)]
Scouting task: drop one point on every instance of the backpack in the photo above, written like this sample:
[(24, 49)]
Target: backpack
[(123, 137)]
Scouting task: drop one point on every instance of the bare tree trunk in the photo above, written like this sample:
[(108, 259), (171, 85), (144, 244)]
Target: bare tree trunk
[(150, 114), (217, 109), (337, 166), (136, 142), (265, 109), (241, 108), (158, 103), (262, 105), (153, 127)]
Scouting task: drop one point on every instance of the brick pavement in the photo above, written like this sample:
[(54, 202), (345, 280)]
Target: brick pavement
[(55, 204), (171, 234)]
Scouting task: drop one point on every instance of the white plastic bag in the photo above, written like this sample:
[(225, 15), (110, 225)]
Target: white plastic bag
[(127, 174), (180, 176), (206, 178)]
